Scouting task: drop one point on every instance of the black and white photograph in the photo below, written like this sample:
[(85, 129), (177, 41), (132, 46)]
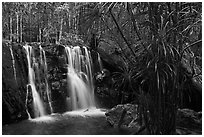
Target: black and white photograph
[(101, 68)]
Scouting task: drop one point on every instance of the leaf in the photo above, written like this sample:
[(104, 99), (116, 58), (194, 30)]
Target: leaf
[(168, 66), (164, 48), (162, 21), (191, 25), (194, 43), (158, 80), (164, 29), (155, 67), (147, 23), (166, 74)]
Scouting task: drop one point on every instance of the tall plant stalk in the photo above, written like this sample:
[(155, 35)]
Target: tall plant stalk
[(121, 33)]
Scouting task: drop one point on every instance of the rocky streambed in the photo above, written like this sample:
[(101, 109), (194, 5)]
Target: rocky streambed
[(115, 121), (86, 122)]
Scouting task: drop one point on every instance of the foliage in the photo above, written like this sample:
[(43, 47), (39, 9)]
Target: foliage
[(159, 43), (165, 34)]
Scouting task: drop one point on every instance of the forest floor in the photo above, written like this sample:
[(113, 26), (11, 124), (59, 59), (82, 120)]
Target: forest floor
[(70, 123)]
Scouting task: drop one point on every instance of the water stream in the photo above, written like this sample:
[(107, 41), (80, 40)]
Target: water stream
[(79, 77), (80, 93), (44, 63), (100, 63), (13, 62), (39, 109)]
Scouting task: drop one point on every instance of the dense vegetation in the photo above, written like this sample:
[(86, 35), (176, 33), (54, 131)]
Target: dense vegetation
[(151, 51)]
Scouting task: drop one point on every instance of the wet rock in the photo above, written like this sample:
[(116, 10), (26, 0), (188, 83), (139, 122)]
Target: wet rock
[(13, 84), (187, 122), (124, 116)]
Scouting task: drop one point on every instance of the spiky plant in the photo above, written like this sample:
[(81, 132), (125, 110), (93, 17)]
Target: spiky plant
[(161, 68), (163, 35)]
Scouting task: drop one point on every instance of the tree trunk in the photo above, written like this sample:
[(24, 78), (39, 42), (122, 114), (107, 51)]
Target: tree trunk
[(40, 38), (123, 52), (75, 18), (10, 37), (29, 23), (121, 33), (129, 8), (69, 22), (17, 27), (61, 26), (21, 28)]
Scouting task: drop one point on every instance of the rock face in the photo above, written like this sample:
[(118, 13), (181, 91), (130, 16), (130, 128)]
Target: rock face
[(14, 80), (127, 116)]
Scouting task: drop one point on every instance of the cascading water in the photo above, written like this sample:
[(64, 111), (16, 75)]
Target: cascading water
[(80, 77), (44, 64), (37, 102), (26, 103), (100, 63), (13, 62)]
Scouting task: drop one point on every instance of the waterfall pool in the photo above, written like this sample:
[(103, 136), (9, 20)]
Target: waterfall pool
[(82, 122)]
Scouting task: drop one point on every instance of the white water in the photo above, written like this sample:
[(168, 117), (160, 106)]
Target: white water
[(26, 103), (13, 62), (79, 76), (44, 63), (37, 102), (100, 63)]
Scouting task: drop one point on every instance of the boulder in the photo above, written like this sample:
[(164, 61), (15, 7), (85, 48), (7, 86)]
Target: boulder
[(189, 122), (126, 116)]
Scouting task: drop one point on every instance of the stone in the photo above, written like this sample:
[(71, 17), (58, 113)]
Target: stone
[(130, 119), (188, 121)]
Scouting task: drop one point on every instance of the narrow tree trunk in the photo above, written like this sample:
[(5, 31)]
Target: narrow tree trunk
[(40, 38), (69, 24), (61, 26), (11, 28), (17, 27), (129, 8), (123, 52), (21, 28), (39, 29), (29, 23), (75, 18), (121, 33), (78, 21)]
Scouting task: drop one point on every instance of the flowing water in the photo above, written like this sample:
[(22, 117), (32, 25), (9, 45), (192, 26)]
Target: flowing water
[(26, 103), (79, 79), (92, 122), (100, 63), (13, 62), (39, 109), (44, 64), (79, 76)]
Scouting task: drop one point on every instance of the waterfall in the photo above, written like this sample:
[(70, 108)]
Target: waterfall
[(13, 62), (44, 64), (39, 109), (79, 77), (26, 103), (100, 63)]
